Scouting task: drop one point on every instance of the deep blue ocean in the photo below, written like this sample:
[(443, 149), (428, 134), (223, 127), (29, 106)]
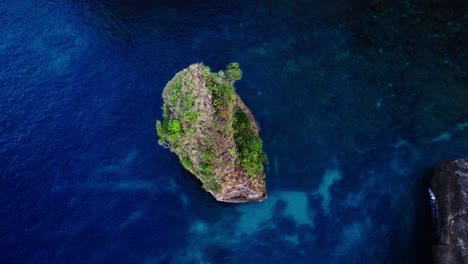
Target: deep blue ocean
[(357, 103)]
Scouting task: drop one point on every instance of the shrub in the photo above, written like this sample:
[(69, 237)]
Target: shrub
[(177, 86), (168, 131), (187, 163), (249, 145), (174, 126), (233, 72), (207, 156), (223, 93), (189, 116), (212, 185)]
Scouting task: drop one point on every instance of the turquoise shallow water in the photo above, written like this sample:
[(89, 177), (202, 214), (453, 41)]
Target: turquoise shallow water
[(356, 103)]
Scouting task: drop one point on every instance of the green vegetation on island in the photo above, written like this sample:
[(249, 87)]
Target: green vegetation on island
[(249, 144), (213, 133)]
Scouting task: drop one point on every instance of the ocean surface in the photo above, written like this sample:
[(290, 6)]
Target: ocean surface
[(357, 103)]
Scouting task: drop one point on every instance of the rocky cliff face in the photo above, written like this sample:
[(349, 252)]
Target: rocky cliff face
[(213, 133), (450, 188)]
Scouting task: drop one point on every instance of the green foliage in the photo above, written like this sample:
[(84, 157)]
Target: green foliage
[(206, 71), (189, 116), (209, 181), (212, 185), (177, 86), (166, 111), (207, 156), (168, 130), (207, 170), (187, 163), (174, 126), (159, 129), (233, 72), (249, 145), (210, 143), (188, 101), (223, 93), (221, 85)]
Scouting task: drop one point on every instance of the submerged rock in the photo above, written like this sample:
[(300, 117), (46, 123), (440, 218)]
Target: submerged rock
[(213, 133), (450, 188)]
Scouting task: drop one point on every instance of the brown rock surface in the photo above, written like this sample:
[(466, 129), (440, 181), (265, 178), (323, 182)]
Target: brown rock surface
[(213, 133)]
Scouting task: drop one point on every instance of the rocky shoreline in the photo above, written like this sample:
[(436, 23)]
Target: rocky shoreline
[(450, 194)]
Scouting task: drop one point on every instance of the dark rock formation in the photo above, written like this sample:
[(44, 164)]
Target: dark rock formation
[(450, 188)]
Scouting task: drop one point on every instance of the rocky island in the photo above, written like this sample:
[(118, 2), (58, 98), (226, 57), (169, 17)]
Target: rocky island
[(207, 125)]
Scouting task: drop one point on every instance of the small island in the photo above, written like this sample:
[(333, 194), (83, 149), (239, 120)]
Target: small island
[(207, 125)]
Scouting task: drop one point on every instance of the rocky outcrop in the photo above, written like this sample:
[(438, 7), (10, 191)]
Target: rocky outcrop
[(213, 133), (450, 187)]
